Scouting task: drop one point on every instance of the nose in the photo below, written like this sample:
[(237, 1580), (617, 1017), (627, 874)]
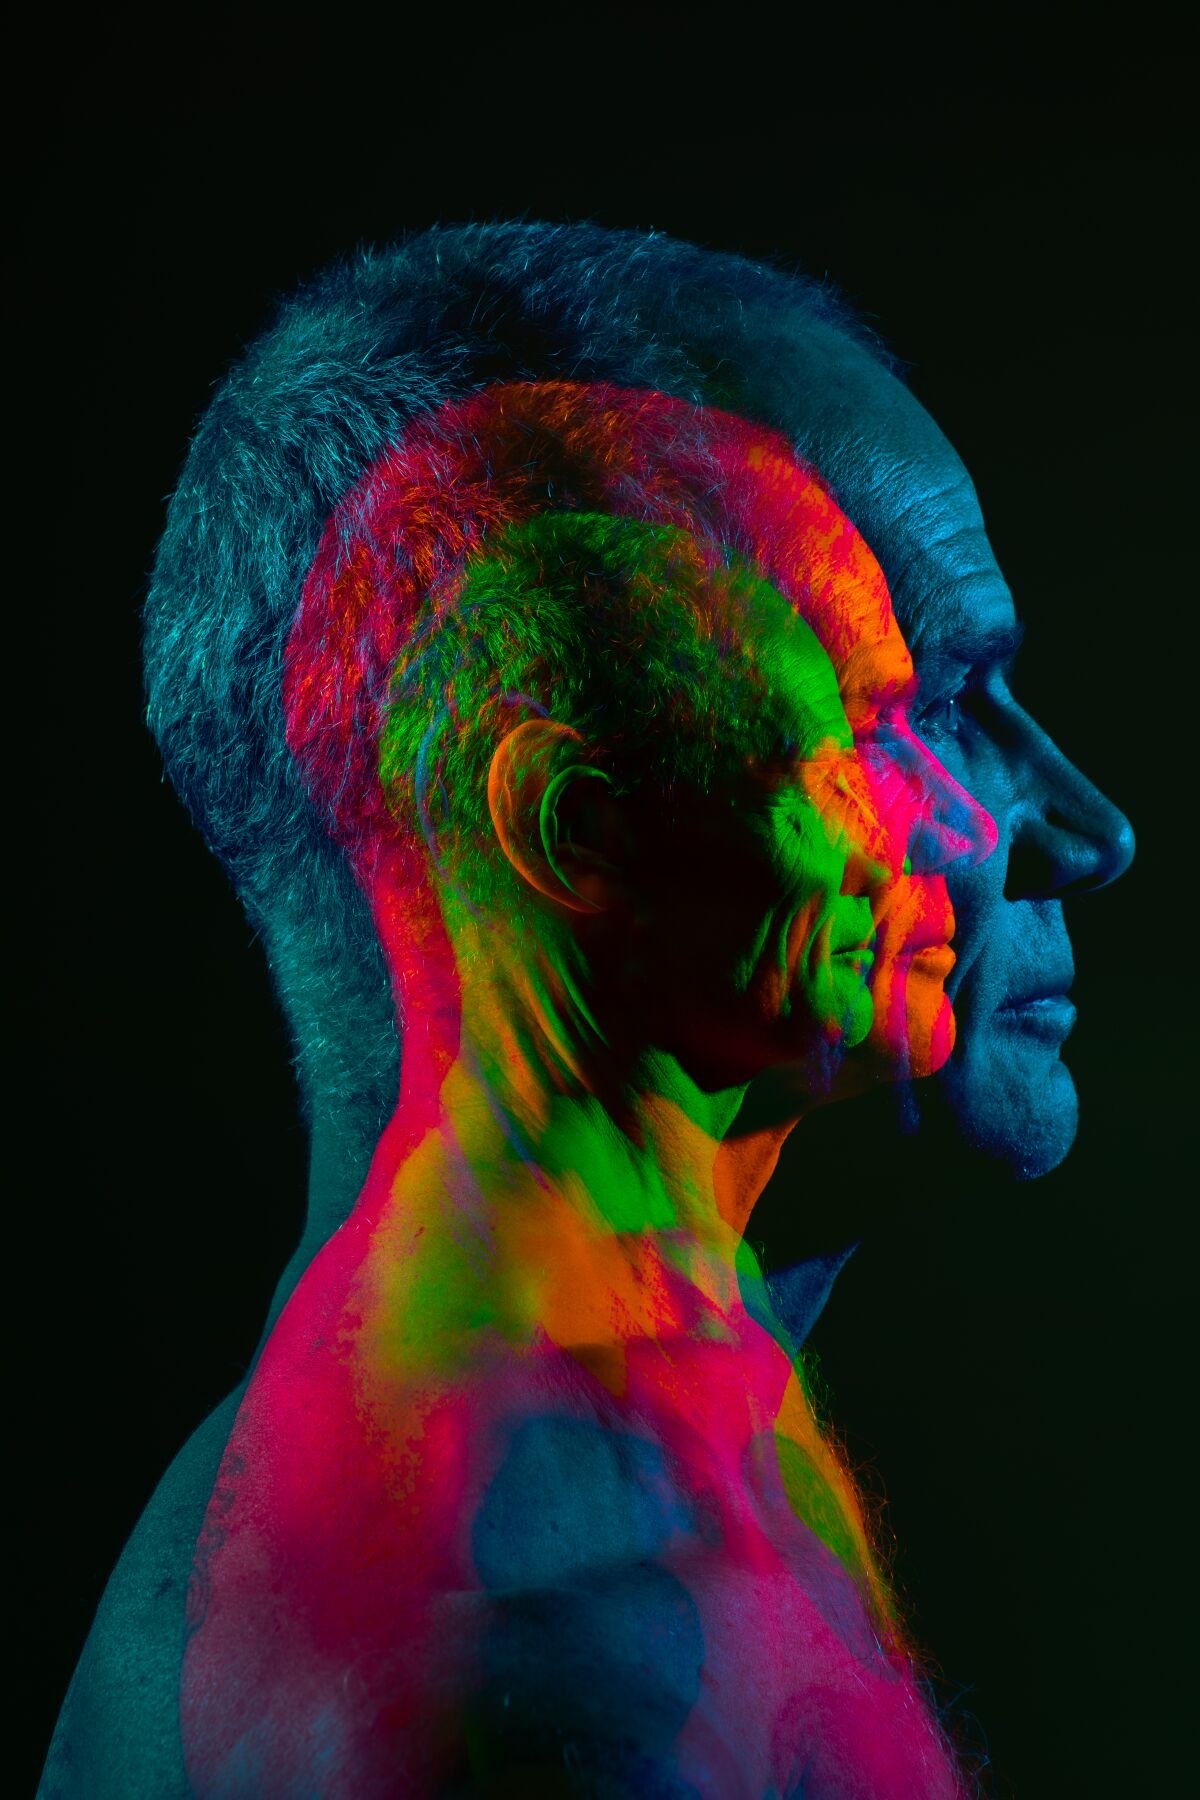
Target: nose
[(931, 819), (1065, 834)]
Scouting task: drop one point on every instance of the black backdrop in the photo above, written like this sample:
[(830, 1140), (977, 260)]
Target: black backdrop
[(1000, 1357)]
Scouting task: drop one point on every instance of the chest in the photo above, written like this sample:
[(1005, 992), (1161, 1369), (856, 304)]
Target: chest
[(523, 1561), (793, 1694)]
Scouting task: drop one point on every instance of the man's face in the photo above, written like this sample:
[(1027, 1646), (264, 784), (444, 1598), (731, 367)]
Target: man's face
[(755, 900), (908, 493), (808, 872)]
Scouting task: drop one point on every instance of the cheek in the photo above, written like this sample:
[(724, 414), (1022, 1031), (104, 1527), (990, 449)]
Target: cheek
[(812, 859), (985, 771), (802, 964), (804, 923), (977, 887), (975, 893), (778, 960)]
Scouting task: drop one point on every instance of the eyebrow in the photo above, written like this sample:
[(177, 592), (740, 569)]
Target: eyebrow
[(973, 647)]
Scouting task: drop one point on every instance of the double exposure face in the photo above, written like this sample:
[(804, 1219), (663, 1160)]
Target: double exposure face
[(755, 897), (1006, 1088), (875, 821), (783, 905), (928, 823), (913, 820), (806, 891)]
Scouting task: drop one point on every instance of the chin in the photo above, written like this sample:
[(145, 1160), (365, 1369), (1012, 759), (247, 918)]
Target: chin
[(1013, 1102), (932, 1030)]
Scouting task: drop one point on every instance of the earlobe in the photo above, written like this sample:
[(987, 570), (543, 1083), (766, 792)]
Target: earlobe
[(533, 773)]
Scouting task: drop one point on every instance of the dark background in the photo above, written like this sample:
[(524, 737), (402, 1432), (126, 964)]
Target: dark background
[(1001, 1358)]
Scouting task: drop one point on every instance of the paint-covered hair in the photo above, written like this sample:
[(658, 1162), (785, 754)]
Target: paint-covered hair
[(349, 363), (603, 556)]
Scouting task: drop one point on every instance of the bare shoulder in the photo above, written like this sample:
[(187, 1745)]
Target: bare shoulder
[(479, 1550), (118, 1731)]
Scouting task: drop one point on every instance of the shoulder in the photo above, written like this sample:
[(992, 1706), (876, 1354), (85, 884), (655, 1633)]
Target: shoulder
[(489, 1566), (118, 1732)]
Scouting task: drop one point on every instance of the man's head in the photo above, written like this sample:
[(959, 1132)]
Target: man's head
[(1005, 1087), (629, 761), (716, 645), (298, 423)]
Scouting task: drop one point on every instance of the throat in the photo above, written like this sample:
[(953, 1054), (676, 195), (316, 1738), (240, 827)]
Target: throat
[(622, 1173)]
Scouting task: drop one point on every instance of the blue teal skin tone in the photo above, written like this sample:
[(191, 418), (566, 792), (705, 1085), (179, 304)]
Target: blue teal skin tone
[(1006, 1087), (583, 1584)]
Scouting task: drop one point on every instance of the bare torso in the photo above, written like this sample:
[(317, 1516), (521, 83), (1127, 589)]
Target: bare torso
[(474, 1574)]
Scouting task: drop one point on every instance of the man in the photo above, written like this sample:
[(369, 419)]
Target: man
[(347, 366), (602, 698)]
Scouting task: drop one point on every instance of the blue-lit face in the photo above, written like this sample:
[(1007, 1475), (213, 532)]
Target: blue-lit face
[(906, 490)]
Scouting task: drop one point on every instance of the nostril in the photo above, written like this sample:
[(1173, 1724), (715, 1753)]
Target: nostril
[(1053, 855)]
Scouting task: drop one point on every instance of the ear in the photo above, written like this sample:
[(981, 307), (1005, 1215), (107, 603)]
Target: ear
[(555, 816)]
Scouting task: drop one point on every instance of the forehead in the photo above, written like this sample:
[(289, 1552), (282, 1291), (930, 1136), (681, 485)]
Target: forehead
[(897, 477), (823, 561), (795, 667)]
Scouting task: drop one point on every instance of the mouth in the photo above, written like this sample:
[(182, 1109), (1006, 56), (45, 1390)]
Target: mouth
[(858, 956), (1045, 1010), (928, 946), (918, 919), (933, 960)]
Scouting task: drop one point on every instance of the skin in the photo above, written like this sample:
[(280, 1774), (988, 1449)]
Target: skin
[(559, 1262), (1006, 1088)]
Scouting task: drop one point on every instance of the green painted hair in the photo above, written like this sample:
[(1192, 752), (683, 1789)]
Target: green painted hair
[(638, 636)]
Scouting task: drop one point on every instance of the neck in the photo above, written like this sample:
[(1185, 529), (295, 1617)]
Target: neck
[(571, 1161), (559, 1160), (340, 1150), (527, 1130)]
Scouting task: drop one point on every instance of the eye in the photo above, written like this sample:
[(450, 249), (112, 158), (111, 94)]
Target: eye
[(944, 713)]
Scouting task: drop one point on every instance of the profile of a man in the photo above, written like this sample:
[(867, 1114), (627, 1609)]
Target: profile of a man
[(1010, 827), (603, 698)]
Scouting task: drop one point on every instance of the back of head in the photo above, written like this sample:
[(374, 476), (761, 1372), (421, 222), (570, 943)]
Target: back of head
[(348, 364)]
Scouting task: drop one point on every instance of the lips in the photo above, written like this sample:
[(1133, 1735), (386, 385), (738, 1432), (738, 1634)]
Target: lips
[(1050, 985), (1038, 1007), (918, 946), (1050, 1017), (930, 959), (919, 918)]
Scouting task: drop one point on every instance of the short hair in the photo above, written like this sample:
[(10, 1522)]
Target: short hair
[(602, 556), (350, 361)]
